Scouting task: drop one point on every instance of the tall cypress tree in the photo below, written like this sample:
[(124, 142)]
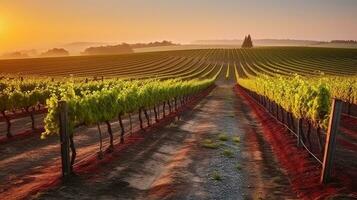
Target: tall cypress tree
[(250, 43), (244, 42), (247, 43)]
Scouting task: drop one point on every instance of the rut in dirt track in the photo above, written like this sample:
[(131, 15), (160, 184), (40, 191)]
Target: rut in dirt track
[(173, 164)]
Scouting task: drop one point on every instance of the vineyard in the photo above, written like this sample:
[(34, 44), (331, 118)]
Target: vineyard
[(193, 63), (108, 100)]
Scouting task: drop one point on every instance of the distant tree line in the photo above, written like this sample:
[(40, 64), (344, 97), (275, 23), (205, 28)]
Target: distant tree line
[(153, 44), (15, 54), (344, 41), (55, 52), (247, 42), (109, 49), (123, 48)]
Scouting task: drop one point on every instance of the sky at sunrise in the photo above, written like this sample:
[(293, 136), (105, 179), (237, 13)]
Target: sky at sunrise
[(28, 24)]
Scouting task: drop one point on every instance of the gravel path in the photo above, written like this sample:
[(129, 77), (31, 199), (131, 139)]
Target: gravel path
[(241, 167)]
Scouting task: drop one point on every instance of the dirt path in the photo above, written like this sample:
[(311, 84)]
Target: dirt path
[(174, 164)]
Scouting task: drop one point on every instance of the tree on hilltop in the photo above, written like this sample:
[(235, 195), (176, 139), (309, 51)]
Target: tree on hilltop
[(55, 52), (123, 48), (247, 43)]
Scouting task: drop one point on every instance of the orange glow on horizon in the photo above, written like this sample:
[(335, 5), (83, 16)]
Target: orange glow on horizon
[(47, 24), (2, 27)]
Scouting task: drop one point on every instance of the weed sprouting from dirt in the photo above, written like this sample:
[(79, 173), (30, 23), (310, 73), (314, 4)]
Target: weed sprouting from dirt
[(227, 153), (223, 137), (236, 139), (231, 115), (216, 176), (208, 143), (238, 167), (172, 125)]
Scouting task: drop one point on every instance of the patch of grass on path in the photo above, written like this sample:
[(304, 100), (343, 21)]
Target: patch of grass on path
[(172, 125), (227, 153), (208, 143), (238, 167), (223, 137), (236, 139), (216, 176), (231, 115)]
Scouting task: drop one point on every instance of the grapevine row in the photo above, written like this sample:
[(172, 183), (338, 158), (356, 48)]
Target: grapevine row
[(308, 98)]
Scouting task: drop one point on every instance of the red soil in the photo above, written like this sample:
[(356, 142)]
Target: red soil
[(49, 176), (165, 186), (303, 172), (20, 136), (346, 143), (21, 114), (349, 126)]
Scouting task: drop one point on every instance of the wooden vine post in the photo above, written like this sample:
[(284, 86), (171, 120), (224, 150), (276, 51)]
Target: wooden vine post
[(299, 132), (64, 139), (330, 144)]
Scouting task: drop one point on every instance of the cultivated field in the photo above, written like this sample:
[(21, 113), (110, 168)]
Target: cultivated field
[(178, 123), (172, 64)]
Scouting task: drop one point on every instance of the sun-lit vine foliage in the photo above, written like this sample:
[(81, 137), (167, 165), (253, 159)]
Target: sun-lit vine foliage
[(304, 97), (112, 98)]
